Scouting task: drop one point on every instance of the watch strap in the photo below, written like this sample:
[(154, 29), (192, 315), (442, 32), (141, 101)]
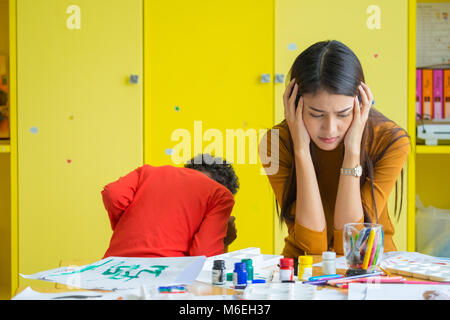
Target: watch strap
[(356, 172), (348, 171)]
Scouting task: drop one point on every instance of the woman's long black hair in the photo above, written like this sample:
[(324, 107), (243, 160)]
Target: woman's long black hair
[(331, 66)]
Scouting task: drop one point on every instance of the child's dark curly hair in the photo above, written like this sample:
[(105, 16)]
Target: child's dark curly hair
[(217, 168)]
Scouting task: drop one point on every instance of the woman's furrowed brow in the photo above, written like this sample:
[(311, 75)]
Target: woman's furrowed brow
[(342, 111)]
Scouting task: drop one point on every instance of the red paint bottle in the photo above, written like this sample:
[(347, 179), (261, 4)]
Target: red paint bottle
[(286, 269)]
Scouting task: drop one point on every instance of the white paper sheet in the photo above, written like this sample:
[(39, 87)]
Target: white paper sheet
[(30, 294), (330, 294), (259, 260), (131, 294), (142, 293), (393, 256), (126, 273), (386, 291)]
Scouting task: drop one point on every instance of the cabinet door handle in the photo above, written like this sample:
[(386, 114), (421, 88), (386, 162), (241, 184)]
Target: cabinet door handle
[(134, 79), (279, 78), (265, 78)]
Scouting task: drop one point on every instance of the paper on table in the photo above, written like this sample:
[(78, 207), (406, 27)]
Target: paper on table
[(126, 273), (262, 263), (141, 293), (391, 257), (206, 275), (385, 291), (30, 294), (216, 297), (259, 260), (330, 294)]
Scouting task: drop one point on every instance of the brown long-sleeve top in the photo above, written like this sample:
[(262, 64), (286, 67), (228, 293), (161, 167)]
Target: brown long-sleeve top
[(301, 240)]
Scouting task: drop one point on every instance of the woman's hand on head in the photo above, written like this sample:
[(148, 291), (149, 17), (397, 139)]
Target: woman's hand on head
[(294, 118), (352, 140)]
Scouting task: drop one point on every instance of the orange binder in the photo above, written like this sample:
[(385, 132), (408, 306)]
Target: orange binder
[(4, 123), (427, 94), (446, 92)]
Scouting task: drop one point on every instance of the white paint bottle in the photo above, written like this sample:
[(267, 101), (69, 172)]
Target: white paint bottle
[(328, 262)]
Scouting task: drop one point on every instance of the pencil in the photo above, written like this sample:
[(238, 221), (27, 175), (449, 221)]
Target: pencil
[(385, 271), (380, 244), (368, 249), (374, 249), (347, 279)]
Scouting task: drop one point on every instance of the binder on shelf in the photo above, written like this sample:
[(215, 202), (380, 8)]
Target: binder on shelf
[(446, 94), (418, 93), (427, 94), (4, 114), (3, 75), (4, 123), (437, 94)]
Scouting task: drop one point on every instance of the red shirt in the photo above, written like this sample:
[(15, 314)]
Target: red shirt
[(167, 212)]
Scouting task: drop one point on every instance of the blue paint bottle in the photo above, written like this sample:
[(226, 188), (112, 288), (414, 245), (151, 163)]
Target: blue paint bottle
[(240, 273), (249, 264)]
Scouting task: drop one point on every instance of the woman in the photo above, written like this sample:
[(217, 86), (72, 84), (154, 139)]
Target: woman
[(338, 157)]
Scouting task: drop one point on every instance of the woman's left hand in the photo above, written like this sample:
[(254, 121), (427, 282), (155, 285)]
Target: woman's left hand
[(352, 140)]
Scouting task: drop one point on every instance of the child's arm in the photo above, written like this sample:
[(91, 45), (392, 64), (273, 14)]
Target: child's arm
[(231, 233), (118, 195), (209, 239)]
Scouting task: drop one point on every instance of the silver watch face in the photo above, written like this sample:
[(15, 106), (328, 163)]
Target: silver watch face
[(358, 171)]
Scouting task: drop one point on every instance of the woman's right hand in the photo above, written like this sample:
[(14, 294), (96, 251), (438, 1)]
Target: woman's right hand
[(294, 119)]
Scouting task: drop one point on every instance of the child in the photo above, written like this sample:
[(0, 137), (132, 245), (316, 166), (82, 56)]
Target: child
[(171, 212)]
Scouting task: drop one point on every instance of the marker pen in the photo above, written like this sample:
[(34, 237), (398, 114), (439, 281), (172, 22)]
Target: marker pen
[(326, 277)]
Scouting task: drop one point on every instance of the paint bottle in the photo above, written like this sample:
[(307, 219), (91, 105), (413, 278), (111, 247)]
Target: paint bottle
[(305, 267), (218, 272), (286, 269), (328, 262), (249, 264), (240, 273)]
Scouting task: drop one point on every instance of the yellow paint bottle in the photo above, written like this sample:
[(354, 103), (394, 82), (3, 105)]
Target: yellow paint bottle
[(305, 267)]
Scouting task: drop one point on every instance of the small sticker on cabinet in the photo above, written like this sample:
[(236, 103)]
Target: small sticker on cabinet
[(292, 46)]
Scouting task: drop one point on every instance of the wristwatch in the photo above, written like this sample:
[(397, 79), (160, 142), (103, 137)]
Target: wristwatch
[(356, 171)]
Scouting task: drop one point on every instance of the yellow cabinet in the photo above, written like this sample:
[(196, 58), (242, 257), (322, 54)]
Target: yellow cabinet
[(429, 170), (376, 31), (209, 88), (79, 125), (8, 242)]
